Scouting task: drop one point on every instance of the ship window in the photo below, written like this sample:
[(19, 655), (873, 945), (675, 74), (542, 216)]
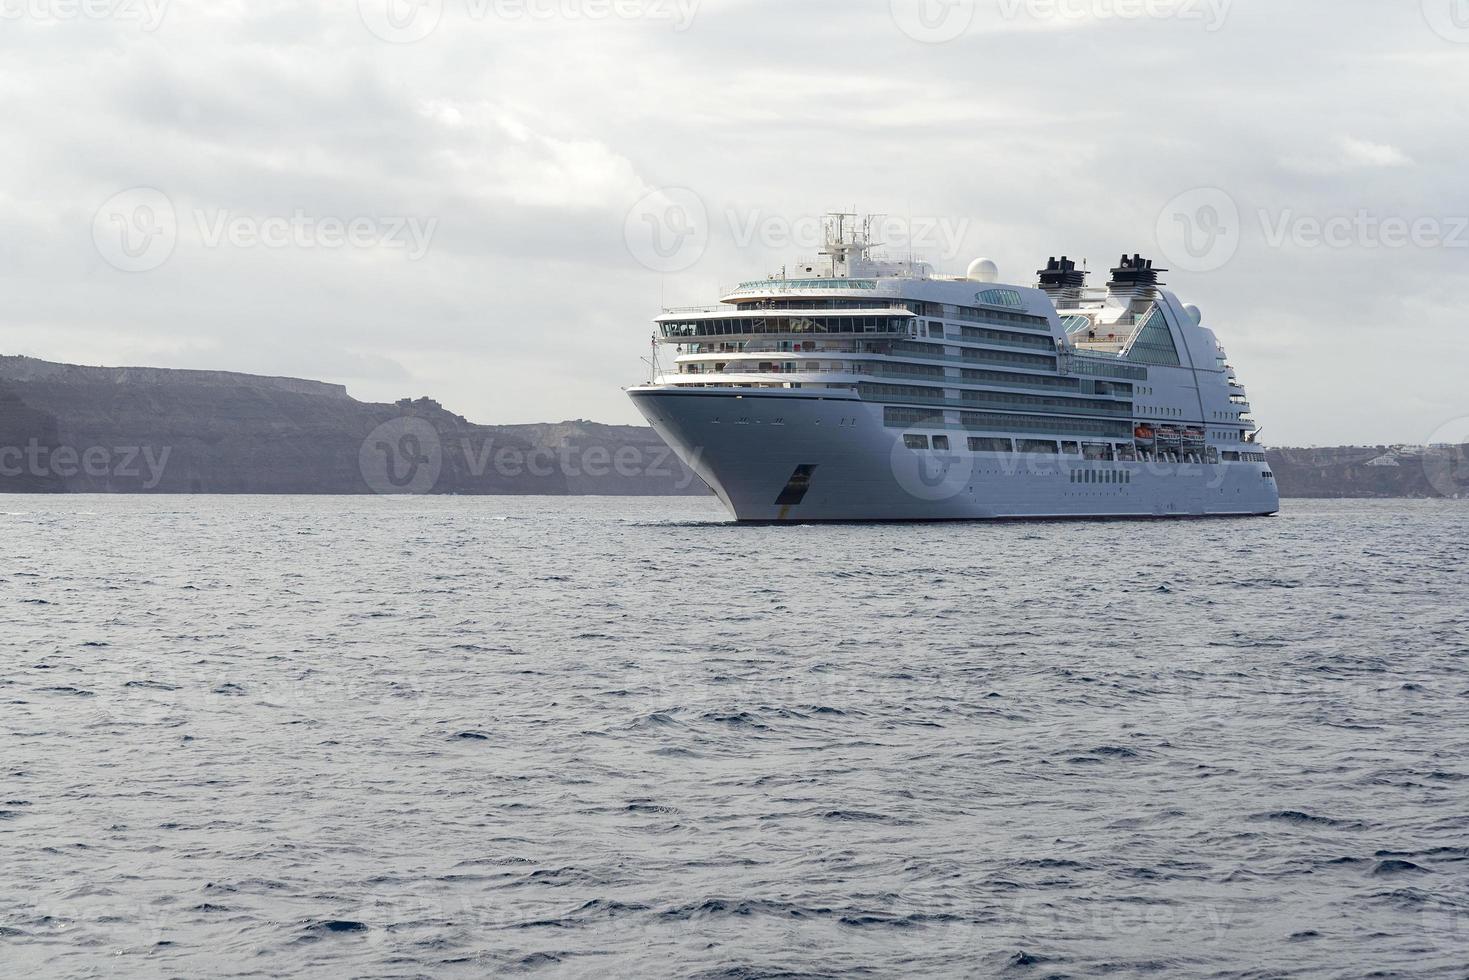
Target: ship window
[(1071, 448), (1036, 446), (983, 444), (941, 442), (915, 442)]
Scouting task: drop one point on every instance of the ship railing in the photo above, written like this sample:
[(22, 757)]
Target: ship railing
[(872, 362), (800, 336), (707, 308)]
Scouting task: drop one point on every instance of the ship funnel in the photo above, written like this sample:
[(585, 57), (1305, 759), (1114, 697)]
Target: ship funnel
[(1061, 274), (1134, 273)]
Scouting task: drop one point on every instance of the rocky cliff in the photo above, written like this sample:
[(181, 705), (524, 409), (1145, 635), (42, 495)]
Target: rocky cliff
[(66, 428), (1372, 471)]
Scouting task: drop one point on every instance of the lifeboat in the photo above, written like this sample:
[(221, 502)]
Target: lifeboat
[(1143, 433)]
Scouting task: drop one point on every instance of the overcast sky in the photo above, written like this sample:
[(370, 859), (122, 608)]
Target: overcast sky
[(452, 197)]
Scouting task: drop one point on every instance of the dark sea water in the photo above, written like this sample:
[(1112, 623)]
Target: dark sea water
[(586, 737)]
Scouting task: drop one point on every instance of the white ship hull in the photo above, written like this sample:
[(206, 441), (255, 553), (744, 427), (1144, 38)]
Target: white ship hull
[(748, 446)]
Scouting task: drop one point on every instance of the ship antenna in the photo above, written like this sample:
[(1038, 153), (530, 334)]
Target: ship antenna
[(652, 361), (910, 236)]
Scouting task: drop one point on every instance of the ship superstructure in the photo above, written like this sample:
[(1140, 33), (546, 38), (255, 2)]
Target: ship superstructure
[(852, 387)]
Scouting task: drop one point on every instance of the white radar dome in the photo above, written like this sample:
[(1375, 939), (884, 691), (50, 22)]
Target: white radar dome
[(1194, 313), (983, 270)]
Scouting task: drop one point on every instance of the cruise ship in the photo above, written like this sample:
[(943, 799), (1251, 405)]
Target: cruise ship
[(854, 387)]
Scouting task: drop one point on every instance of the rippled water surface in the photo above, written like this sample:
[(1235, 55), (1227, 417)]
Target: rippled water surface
[(373, 737)]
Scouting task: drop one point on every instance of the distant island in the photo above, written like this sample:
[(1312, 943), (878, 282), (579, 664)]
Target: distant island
[(71, 429), (65, 428)]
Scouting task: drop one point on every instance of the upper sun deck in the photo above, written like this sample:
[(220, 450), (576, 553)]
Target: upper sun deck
[(849, 271), (852, 291)]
